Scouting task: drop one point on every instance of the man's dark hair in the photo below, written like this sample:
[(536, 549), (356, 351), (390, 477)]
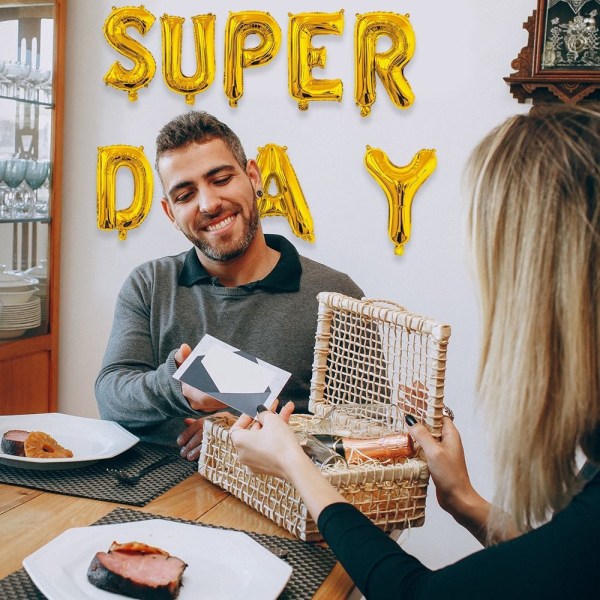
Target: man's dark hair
[(197, 127)]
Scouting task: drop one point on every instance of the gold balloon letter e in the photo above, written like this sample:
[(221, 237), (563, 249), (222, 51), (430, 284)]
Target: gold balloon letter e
[(303, 57), (289, 202), (400, 185), (110, 160)]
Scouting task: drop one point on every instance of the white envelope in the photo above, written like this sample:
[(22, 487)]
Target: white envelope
[(232, 376)]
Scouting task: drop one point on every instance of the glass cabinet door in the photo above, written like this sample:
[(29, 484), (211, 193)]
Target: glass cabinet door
[(27, 74)]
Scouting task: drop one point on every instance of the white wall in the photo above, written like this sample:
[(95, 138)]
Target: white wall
[(464, 49)]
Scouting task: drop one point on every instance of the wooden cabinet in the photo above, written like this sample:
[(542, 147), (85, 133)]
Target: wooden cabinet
[(32, 35)]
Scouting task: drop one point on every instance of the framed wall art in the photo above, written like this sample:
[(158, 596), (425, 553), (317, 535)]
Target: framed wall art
[(561, 62)]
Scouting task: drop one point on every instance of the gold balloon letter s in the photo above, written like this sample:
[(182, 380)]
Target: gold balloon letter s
[(237, 57), (289, 202), (302, 57), (144, 66), (388, 65), (204, 38), (110, 160), (400, 185)]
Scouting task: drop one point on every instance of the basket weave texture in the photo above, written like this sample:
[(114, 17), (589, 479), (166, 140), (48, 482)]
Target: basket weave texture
[(373, 362)]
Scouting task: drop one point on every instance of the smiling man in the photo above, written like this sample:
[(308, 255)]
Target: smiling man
[(251, 290)]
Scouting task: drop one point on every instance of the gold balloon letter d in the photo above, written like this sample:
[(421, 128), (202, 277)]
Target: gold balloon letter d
[(110, 160)]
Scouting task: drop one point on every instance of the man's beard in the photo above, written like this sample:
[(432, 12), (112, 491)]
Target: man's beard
[(227, 252)]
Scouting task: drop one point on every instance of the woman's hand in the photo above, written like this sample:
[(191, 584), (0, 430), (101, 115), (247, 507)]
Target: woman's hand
[(446, 462), (267, 445), (270, 446), (448, 468)]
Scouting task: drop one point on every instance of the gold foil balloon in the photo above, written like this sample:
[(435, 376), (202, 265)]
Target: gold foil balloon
[(204, 40), (387, 65), (144, 65), (276, 170), (303, 57), (239, 26), (110, 160), (400, 185)]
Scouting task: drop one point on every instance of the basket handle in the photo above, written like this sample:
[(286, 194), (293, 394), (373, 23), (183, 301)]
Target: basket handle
[(383, 303)]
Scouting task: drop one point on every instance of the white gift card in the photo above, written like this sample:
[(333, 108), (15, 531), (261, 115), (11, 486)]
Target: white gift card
[(232, 376)]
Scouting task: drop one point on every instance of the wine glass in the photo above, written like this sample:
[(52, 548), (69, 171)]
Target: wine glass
[(3, 80), (34, 83), (14, 176), (5, 208), (35, 176), (16, 72)]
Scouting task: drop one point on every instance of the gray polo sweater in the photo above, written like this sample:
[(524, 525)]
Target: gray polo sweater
[(172, 300)]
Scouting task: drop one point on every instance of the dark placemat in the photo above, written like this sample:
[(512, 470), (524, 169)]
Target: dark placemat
[(94, 482), (311, 564)]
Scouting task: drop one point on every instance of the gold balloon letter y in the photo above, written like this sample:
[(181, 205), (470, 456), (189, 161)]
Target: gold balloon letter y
[(400, 185)]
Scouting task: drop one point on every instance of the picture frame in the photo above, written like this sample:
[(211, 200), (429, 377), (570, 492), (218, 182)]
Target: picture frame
[(568, 38), (561, 62)]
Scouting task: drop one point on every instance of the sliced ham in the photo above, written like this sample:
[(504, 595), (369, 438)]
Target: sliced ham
[(13, 442), (138, 571)]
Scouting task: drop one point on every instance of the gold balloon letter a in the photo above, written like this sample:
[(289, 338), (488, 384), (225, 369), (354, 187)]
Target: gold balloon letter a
[(110, 160), (289, 202), (400, 185), (144, 66), (204, 37), (237, 57), (302, 57), (388, 65)]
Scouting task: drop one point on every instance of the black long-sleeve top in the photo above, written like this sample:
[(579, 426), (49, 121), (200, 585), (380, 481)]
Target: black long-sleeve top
[(560, 559)]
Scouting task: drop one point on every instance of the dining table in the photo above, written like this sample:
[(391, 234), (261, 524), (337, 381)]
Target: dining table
[(30, 518)]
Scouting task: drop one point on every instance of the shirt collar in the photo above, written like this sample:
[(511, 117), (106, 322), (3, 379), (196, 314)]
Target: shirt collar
[(285, 277)]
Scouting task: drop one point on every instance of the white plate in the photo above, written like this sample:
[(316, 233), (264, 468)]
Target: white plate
[(221, 564), (90, 440)]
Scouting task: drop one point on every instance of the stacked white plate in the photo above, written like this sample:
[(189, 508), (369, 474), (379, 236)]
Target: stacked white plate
[(40, 273), (20, 308)]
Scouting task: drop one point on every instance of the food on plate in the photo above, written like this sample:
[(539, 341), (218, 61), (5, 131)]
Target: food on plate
[(13, 442), (137, 570), (34, 444)]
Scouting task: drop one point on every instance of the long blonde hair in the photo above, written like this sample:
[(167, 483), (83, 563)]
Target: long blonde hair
[(535, 235)]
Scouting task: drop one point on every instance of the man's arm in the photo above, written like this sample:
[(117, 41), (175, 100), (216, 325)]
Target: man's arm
[(133, 386)]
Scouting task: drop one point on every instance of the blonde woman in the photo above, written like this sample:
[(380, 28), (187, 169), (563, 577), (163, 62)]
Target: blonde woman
[(535, 236)]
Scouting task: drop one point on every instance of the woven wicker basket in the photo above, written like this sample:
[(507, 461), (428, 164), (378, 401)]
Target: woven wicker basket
[(374, 361)]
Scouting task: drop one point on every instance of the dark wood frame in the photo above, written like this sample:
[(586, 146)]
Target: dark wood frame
[(531, 82)]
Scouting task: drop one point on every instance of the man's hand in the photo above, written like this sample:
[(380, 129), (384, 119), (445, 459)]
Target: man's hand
[(190, 439), (196, 399)]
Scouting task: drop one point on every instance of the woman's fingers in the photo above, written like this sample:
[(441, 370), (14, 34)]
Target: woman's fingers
[(421, 434), (286, 411)]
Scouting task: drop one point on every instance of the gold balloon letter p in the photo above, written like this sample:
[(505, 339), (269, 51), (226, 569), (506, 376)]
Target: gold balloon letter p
[(237, 57), (400, 185), (110, 160), (388, 65)]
